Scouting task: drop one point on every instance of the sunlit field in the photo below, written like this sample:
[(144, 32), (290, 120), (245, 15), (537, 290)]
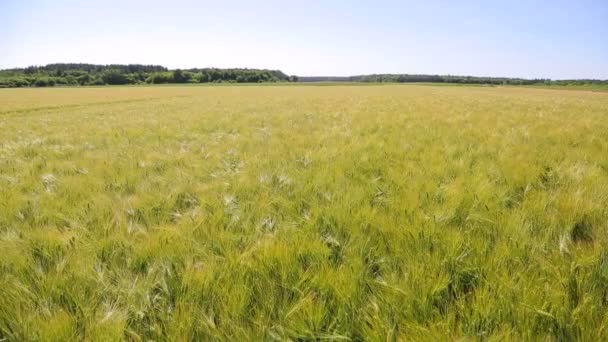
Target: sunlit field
[(393, 212)]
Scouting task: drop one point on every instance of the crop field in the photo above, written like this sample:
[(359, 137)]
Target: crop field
[(381, 212)]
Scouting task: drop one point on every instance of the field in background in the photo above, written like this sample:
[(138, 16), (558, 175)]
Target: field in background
[(258, 212)]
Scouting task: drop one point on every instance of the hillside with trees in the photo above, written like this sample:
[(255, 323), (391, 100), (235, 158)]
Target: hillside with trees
[(117, 74)]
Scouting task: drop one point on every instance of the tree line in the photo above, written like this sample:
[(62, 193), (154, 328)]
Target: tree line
[(65, 74), (70, 74), (412, 78)]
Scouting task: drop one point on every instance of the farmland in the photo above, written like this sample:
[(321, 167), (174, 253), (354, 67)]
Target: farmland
[(370, 212)]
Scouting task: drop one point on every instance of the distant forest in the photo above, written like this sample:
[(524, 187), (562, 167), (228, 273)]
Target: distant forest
[(71, 74), (117, 74), (407, 78)]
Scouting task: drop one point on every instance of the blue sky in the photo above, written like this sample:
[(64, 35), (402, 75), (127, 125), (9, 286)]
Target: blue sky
[(550, 39)]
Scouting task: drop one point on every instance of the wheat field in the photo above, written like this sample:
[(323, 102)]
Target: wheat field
[(380, 212)]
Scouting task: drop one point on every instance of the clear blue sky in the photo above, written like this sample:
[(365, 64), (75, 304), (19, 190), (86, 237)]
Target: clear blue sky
[(517, 38)]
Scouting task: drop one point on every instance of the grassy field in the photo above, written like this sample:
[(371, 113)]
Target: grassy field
[(286, 212), (589, 87)]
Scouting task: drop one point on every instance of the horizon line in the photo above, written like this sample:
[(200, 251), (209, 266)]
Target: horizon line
[(320, 76)]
